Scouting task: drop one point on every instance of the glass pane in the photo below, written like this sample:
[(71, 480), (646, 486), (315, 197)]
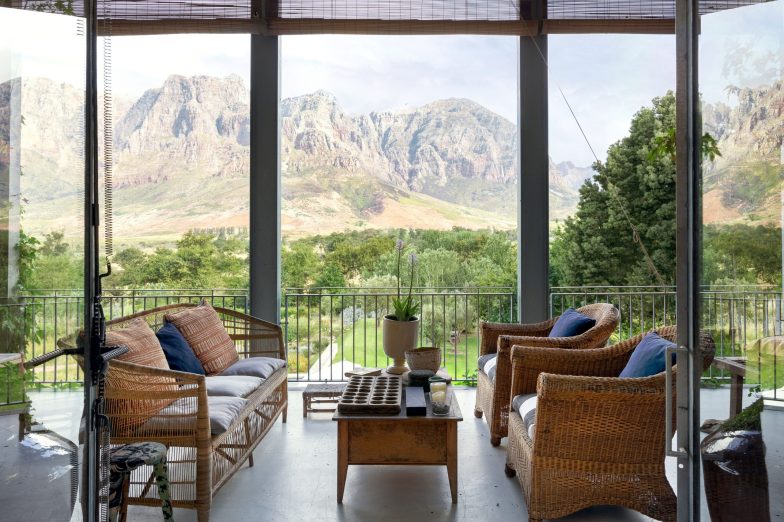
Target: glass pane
[(612, 205), (741, 56), (181, 122), (42, 63), (387, 138)]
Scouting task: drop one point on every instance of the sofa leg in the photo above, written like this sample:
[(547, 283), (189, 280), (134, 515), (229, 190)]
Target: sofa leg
[(477, 413), (250, 460), (203, 514), (509, 470), (495, 440), (285, 413)]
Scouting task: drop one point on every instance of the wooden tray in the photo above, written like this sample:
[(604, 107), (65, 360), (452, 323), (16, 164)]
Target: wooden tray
[(372, 395)]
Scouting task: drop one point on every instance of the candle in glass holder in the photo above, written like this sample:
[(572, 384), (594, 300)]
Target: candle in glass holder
[(437, 387), (438, 396)]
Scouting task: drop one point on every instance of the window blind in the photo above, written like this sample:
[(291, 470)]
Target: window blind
[(382, 17)]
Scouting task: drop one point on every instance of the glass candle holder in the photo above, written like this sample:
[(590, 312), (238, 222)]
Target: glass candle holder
[(439, 400)]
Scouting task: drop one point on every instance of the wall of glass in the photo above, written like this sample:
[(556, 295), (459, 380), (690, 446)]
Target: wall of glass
[(42, 70)]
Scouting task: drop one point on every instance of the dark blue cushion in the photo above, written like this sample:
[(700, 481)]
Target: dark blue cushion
[(648, 357), (571, 323), (178, 352)]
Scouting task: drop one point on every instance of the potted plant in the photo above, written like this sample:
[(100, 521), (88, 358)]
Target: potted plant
[(400, 329), (733, 462)]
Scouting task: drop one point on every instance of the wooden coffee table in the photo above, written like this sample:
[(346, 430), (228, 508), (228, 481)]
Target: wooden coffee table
[(399, 440)]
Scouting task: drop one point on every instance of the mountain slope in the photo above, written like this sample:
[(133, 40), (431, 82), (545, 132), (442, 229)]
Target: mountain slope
[(181, 161), (745, 183)]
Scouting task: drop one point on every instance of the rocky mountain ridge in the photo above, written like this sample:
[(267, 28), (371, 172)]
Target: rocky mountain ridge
[(182, 161)]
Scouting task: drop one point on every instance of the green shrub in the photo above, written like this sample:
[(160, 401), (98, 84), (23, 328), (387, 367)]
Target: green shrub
[(298, 363)]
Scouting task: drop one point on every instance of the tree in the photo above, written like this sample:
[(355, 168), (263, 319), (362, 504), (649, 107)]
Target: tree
[(633, 190), (330, 276), (300, 265), (743, 254), (54, 244)]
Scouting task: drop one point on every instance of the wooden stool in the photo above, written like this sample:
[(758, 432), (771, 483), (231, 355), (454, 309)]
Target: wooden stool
[(124, 460), (321, 394)]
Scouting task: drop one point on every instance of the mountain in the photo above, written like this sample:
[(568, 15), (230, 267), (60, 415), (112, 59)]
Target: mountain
[(745, 183), (181, 161)]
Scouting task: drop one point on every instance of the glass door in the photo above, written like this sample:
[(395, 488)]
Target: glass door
[(42, 102), (741, 395)]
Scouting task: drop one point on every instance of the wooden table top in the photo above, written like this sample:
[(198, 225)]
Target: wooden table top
[(454, 412), (734, 365), (443, 373)]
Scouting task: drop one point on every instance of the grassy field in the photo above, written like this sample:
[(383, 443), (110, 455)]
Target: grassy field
[(363, 344)]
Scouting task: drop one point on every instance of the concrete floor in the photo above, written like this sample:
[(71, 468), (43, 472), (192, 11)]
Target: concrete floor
[(295, 474)]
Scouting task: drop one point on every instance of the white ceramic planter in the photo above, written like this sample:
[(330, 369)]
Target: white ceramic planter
[(399, 336)]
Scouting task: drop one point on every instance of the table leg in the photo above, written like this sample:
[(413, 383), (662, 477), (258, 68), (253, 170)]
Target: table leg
[(451, 458), (342, 458), (736, 394), (304, 406)]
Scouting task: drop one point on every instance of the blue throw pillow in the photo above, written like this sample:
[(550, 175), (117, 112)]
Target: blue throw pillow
[(571, 323), (178, 352), (648, 357)]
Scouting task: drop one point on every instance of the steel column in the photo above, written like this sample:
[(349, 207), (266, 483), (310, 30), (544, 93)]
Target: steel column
[(688, 256), (92, 353), (533, 187), (265, 178)]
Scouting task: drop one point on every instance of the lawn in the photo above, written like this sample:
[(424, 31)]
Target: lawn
[(363, 344)]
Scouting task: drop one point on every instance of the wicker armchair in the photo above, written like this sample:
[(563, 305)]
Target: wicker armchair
[(492, 396), (597, 438), (171, 407)]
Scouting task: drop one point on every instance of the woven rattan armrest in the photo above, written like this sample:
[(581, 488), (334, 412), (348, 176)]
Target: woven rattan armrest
[(135, 394), (604, 420)]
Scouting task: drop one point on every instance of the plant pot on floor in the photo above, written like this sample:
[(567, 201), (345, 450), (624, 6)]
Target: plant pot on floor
[(736, 479), (399, 337)]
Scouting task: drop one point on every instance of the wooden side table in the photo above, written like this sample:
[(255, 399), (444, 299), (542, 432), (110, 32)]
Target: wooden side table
[(736, 366), (399, 440), (326, 393)]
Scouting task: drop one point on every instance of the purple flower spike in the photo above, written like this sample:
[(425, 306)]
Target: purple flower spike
[(399, 244)]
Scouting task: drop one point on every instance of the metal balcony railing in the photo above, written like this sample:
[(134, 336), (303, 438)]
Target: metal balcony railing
[(330, 330)]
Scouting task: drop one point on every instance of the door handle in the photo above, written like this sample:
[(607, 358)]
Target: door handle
[(680, 453)]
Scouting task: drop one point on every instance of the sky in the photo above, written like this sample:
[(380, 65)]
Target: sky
[(605, 78)]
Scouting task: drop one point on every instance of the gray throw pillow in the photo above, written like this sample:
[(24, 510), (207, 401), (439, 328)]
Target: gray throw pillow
[(261, 367)]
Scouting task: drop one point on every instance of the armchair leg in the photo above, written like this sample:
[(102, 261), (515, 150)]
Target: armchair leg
[(478, 413), (495, 440), (509, 470)]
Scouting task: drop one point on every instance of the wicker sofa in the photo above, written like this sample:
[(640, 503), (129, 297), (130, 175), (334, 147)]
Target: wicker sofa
[(592, 437), (179, 410), (492, 395)]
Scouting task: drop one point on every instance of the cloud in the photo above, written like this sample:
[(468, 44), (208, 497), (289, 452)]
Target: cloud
[(144, 62), (373, 73), (41, 44), (606, 80)]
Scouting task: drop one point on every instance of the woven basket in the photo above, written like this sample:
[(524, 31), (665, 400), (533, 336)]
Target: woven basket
[(424, 359)]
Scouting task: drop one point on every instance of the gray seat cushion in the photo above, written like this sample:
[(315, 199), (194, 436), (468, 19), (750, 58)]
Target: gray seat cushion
[(231, 385), (181, 414), (482, 360), (261, 367), (525, 405), (486, 363)]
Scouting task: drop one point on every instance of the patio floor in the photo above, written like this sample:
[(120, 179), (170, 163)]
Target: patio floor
[(295, 473)]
